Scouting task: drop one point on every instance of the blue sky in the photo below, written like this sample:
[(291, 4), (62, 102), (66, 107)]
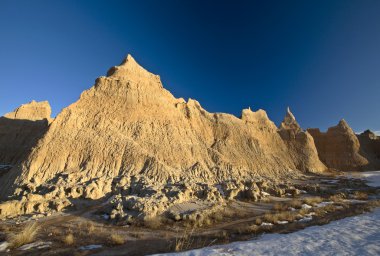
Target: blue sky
[(321, 58)]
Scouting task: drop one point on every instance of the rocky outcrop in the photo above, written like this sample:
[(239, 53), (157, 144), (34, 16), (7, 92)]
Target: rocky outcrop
[(21, 129), (370, 148), (339, 148), (300, 144), (127, 124)]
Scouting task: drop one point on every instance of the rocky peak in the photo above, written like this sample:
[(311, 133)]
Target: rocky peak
[(259, 118), (31, 111), (343, 124), (131, 70), (289, 121)]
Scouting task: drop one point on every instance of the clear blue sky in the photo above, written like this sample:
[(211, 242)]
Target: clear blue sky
[(321, 58)]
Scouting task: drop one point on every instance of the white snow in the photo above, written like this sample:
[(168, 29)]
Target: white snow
[(90, 247), (266, 224), (323, 204), (38, 245), (265, 193), (358, 235), (306, 219), (306, 206), (372, 177), (3, 246), (282, 222)]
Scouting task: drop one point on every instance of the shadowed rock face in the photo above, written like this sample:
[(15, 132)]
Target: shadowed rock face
[(128, 124), (370, 146), (21, 129), (339, 148), (300, 144)]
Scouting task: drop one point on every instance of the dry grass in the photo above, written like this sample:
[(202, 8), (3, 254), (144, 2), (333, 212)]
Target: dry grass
[(271, 217), (304, 211), (322, 211), (184, 241), (360, 195), (280, 207), (117, 239), (297, 204), (68, 239), (337, 198), (25, 236), (258, 221), (313, 200), (279, 216), (153, 223), (87, 227)]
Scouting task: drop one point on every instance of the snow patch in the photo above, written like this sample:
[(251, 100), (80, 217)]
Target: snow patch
[(3, 246), (306, 206), (306, 219), (37, 245), (358, 235), (323, 204), (90, 247)]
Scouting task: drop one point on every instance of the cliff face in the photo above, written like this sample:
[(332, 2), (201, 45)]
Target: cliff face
[(339, 148), (300, 144), (128, 124), (370, 148), (21, 129)]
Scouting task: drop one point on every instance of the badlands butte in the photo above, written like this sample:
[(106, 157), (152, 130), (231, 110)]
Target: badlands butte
[(129, 146)]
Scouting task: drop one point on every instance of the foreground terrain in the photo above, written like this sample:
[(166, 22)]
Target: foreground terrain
[(90, 231)]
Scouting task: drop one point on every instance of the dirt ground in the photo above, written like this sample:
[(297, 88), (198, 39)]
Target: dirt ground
[(69, 233)]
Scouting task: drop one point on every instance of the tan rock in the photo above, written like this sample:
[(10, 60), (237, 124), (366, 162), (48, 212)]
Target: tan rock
[(300, 144), (339, 148), (21, 129)]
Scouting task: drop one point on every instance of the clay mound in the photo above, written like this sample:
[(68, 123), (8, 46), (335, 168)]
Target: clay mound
[(339, 148), (127, 124), (301, 144), (370, 148), (21, 129)]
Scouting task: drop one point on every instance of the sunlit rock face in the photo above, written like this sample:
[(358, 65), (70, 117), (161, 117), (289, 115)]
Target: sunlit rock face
[(300, 144)]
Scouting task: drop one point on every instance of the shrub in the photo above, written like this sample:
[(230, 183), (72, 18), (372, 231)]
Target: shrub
[(280, 207), (68, 239), (313, 200), (117, 239), (360, 195), (295, 204), (153, 223), (25, 236)]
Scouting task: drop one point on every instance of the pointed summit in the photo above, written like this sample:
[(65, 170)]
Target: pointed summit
[(130, 69), (289, 121), (343, 124)]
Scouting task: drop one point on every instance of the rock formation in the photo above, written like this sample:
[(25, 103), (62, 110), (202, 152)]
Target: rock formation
[(127, 125), (300, 144), (339, 148), (21, 129), (370, 148)]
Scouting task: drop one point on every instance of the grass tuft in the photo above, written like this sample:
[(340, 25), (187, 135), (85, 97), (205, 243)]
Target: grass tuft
[(25, 236), (69, 239), (117, 239)]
